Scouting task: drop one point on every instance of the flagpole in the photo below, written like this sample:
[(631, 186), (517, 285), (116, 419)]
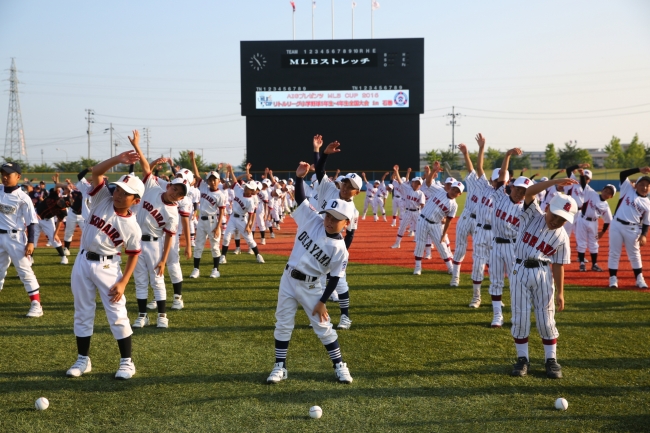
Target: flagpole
[(332, 19), (372, 20), (352, 20), (313, 6), (293, 16)]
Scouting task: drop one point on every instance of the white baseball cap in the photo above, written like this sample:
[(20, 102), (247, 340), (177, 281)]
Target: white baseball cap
[(459, 185), (181, 181), (450, 180), (389, 186), (339, 209), (130, 184), (376, 181), (497, 172), (339, 179), (609, 185), (277, 179), (587, 173), (403, 179), (417, 179), (213, 173), (187, 174), (523, 181), (283, 181), (564, 206), (251, 184), (354, 179), (266, 182), (544, 179), (259, 184), (277, 191), (290, 180)]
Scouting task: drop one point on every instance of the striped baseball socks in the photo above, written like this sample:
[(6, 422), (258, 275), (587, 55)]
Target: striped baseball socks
[(344, 303), (281, 349), (334, 351)]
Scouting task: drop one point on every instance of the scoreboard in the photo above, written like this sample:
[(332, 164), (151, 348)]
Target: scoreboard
[(365, 93)]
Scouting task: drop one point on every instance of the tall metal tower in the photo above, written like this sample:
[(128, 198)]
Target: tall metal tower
[(15, 138)]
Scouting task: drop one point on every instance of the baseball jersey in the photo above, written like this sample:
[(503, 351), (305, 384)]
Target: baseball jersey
[(327, 191), (473, 183), (633, 208), (505, 220), (155, 216), (594, 206), (411, 199), (370, 190), (484, 206), (211, 201), (263, 196), (243, 205), (314, 252), (85, 187), (16, 210), (105, 231), (439, 204), (396, 192), (537, 242)]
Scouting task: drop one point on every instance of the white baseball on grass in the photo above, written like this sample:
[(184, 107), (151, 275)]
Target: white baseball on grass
[(315, 412), (42, 403), (561, 404)]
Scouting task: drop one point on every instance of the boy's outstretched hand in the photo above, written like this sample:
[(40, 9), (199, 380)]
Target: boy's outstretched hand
[(129, 157), (303, 169)]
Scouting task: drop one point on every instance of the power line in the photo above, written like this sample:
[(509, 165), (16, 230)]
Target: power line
[(557, 112), (161, 119)]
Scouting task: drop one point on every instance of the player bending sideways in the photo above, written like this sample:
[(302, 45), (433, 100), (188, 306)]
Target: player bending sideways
[(97, 267), (541, 250), (319, 248)]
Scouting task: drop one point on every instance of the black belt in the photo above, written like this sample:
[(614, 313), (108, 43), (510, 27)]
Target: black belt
[(148, 238), (2, 231), (236, 215), (397, 196), (485, 226), (625, 223), (205, 218), (412, 210), (504, 241), (428, 220), (296, 274), (530, 263), (589, 219), (95, 257), (472, 215)]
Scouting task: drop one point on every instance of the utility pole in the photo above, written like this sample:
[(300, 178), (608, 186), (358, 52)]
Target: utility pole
[(15, 138), (332, 19), (42, 160), (110, 145), (90, 113), (147, 136), (453, 125)]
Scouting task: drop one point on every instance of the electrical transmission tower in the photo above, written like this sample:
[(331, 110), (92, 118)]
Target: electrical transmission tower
[(147, 137), (453, 125), (15, 138), (90, 113)]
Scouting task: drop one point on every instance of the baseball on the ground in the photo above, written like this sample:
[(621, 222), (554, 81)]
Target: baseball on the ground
[(315, 412), (42, 403), (561, 404)]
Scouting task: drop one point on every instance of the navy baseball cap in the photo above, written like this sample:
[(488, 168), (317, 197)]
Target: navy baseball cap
[(12, 167)]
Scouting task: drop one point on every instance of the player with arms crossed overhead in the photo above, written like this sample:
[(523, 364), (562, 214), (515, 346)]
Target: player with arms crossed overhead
[(440, 209), (319, 249), (541, 250), (413, 201), (158, 219), (17, 215), (349, 187), (630, 225), (505, 226), (466, 225), (110, 227)]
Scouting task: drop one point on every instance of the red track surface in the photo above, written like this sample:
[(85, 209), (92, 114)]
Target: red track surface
[(372, 243)]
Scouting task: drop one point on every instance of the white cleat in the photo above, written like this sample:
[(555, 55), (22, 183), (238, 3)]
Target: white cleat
[(251, 252), (279, 373), (455, 281), (363, 218), (195, 273), (417, 271), (476, 302), (345, 322), (640, 282), (260, 259), (237, 251), (222, 260), (375, 218), (450, 270), (427, 257), (152, 305), (66, 252), (342, 373), (412, 234), (263, 241), (272, 235), (178, 303), (497, 321), (613, 282), (64, 260), (141, 321), (395, 245), (80, 367), (393, 225), (126, 369), (48, 244), (35, 310), (162, 321), (215, 273)]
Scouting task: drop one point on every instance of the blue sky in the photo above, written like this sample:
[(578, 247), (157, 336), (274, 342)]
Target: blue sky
[(522, 73)]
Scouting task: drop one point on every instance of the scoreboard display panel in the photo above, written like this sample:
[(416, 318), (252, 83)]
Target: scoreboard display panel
[(368, 91)]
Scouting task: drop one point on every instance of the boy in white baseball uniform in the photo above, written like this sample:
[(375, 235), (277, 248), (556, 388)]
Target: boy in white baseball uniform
[(17, 222), (412, 200), (630, 225), (158, 219), (110, 227), (537, 279), (211, 213), (319, 249), (586, 225)]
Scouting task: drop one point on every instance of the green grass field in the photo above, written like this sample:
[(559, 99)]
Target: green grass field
[(421, 360)]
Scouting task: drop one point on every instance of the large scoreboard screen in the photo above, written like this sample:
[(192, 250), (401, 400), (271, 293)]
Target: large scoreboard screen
[(365, 93)]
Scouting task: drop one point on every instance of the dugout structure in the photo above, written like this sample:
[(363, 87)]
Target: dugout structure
[(366, 93)]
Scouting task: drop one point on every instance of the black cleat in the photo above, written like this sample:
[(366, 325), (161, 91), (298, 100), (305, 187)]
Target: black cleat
[(521, 367), (583, 267), (596, 268), (553, 369)]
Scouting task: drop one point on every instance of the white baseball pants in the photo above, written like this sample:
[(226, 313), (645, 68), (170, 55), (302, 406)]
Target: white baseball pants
[(238, 224), (12, 249), (482, 242), (173, 259), (46, 226), (532, 287), (586, 235), (87, 276), (621, 235), (204, 231), (409, 219), (427, 231), (397, 206), (145, 271), (502, 260), (71, 221), (292, 294), (465, 227)]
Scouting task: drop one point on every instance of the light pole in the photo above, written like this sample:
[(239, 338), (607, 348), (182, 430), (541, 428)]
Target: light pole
[(66, 154)]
